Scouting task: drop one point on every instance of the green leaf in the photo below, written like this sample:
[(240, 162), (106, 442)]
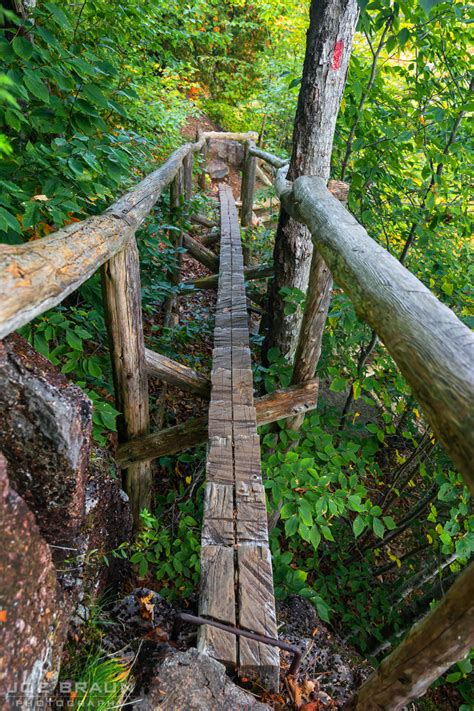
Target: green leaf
[(36, 87), (338, 385), (287, 510), (291, 526), (59, 15), (326, 531), (22, 47), (76, 166), (356, 389), (305, 513), (378, 527), (358, 526), (389, 522), (355, 503), (94, 94), (8, 221), (315, 537), (323, 609), (428, 5), (403, 36), (294, 82), (74, 341)]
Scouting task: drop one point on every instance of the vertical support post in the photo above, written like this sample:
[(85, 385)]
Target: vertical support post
[(248, 187), (176, 191), (188, 176), (202, 174), (122, 303)]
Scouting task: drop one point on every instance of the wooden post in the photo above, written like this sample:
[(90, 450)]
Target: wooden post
[(248, 187), (176, 191), (202, 174), (122, 303), (188, 175)]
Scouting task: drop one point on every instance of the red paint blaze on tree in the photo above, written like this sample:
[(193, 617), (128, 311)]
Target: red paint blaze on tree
[(337, 56)]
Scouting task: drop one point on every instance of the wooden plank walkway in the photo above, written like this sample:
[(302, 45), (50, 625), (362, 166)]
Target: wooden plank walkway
[(236, 570)]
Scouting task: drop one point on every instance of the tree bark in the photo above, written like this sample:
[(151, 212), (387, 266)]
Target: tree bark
[(328, 48)]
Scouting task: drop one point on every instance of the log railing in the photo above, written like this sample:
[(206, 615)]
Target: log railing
[(430, 345), (435, 352)]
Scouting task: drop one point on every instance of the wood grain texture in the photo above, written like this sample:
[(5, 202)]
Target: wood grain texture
[(275, 161), (217, 600), (235, 506), (269, 408), (122, 305), (433, 645), (210, 282), (188, 175), (177, 374), (229, 136)]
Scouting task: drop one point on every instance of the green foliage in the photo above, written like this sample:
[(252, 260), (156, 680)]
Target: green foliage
[(168, 545)]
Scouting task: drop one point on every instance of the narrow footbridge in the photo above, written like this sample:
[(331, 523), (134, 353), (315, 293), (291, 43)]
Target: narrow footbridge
[(236, 569), (430, 345)]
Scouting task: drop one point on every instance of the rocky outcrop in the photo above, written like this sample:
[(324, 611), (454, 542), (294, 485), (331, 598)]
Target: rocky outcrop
[(228, 152), (45, 437), (192, 680), (32, 617), (217, 169), (64, 515)]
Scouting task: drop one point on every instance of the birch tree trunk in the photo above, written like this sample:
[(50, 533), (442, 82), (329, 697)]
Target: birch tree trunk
[(328, 48)]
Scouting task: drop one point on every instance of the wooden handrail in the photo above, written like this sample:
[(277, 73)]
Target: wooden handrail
[(261, 271), (177, 374), (38, 275), (268, 157), (432, 347)]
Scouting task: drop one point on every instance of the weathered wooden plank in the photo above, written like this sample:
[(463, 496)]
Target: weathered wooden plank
[(255, 593), (220, 460), (247, 458), (210, 282), (217, 600), (218, 521)]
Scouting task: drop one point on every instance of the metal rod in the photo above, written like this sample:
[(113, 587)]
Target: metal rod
[(182, 617)]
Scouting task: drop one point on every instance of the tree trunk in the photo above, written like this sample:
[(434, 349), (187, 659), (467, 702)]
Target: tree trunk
[(328, 47)]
